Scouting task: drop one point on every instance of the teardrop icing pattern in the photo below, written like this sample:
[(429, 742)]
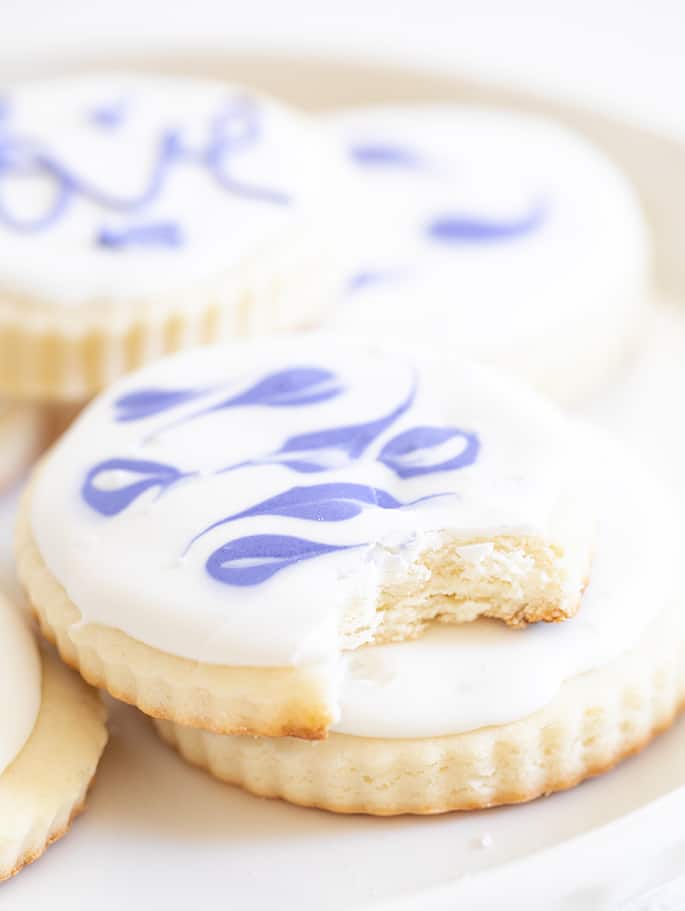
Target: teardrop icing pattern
[(256, 558), (113, 485), (132, 478), (426, 450)]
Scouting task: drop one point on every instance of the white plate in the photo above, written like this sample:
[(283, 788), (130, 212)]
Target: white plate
[(159, 834)]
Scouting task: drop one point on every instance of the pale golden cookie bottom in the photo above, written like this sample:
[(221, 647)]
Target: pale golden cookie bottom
[(273, 701), (62, 354), (45, 787), (595, 721)]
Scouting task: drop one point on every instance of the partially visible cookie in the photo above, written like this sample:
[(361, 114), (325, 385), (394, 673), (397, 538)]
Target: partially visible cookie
[(44, 785), (497, 233), (22, 433), (143, 214)]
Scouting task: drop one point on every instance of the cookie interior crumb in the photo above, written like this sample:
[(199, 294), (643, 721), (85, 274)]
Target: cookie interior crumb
[(514, 579)]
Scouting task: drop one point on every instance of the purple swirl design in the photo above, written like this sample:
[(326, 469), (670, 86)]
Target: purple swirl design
[(369, 278), (323, 450), (413, 453), (147, 476), (384, 155), (253, 559), (233, 130), (108, 116), (290, 388), (256, 558), (455, 228), (145, 403), (159, 234), (293, 387), (334, 502)]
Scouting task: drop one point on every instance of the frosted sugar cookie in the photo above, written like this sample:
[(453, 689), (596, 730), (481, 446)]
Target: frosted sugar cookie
[(214, 531), (480, 715), (21, 435), (141, 214), (502, 234), (52, 733)]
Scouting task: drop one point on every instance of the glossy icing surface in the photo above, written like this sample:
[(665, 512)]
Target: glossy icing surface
[(457, 679), (20, 683), (121, 186), (231, 504), (499, 232)]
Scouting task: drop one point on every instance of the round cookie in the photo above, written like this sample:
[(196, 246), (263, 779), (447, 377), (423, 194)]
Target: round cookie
[(408, 502), (241, 516), (52, 734), (141, 214), (21, 436), (501, 234), (470, 718)]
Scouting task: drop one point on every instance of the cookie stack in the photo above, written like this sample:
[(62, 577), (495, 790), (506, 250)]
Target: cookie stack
[(350, 568), (359, 577), (138, 215)]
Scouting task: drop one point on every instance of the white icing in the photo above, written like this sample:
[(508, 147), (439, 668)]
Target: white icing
[(20, 683), (555, 304), (129, 570), (457, 679), (63, 263), (135, 570)]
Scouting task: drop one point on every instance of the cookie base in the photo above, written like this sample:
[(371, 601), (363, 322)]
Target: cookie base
[(67, 355), (46, 785), (596, 720), (271, 701)]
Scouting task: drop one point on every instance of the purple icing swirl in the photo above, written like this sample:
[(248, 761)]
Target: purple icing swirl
[(384, 155), (333, 502), (256, 558), (458, 228), (147, 475), (413, 452), (251, 560), (293, 387), (324, 450), (233, 130)]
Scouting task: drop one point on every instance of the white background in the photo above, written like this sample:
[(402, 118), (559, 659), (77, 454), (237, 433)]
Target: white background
[(623, 56)]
